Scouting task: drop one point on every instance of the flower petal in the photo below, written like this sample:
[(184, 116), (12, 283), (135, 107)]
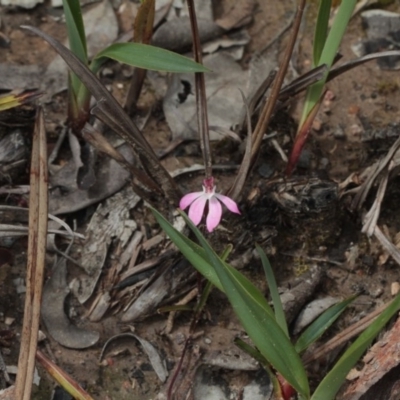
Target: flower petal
[(189, 199), (196, 210), (214, 214), (229, 203)]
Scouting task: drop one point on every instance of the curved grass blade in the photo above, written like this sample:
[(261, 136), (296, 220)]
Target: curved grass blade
[(261, 327), (333, 73), (332, 382), (112, 114), (321, 324), (273, 288), (197, 256), (263, 330), (146, 56)]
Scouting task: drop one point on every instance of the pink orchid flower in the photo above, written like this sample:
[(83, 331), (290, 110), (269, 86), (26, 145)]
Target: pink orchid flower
[(197, 202)]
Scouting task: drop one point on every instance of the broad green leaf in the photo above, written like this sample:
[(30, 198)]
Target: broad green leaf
[(198, 258), (261, 327), (328, 53), (321, 324), (147, 57), (335, 378), (321, 30), (273, 288)]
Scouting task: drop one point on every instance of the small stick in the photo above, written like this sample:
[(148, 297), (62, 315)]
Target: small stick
[(38, 205), (201, 99), (269, 107), (345, 336)]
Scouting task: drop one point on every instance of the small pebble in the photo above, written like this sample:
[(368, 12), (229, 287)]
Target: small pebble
[(304, 159), (317, 125), (20, 285), (180, 338), (356, 130), (41, 336), (329, 95), (107, 72), (353, 109), (127, 73), (395, 288), (9, 321), (207, 340), (324, 163), (376, 293), (339, 133), (4, 41), (265, 170)]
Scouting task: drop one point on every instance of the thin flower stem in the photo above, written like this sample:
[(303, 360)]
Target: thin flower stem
[(269, 107), (200, 90)]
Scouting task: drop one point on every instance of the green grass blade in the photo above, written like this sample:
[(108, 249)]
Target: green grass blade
[(273, 288), (198, 258), (75, 28), (263, 329), (207, 290), (76, 36), (328, 53), (332, 382), (149, 57), (321, 324), (321, 30)]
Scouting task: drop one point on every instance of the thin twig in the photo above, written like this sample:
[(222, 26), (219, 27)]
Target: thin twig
[(201, 99), (345, 335), (269, 107), (38, 204)]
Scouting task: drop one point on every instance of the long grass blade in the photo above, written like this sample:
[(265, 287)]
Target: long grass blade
[(263, 330), (273, 288), (332, 382), (76, 38), (328, 54), (321, 30), (248, 304), (321, 324), (196, 255)]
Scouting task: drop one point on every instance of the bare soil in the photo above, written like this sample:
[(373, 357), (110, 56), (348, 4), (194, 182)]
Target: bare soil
[(365, 96)]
